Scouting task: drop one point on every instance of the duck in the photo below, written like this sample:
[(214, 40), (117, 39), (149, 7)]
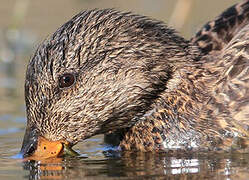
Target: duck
[(141, 84)]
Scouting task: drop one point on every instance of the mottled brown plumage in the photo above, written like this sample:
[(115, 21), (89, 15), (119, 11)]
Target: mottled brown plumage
[(137, 80), (217, 33)]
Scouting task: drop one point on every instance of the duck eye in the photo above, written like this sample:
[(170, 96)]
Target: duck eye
[(66, 80)]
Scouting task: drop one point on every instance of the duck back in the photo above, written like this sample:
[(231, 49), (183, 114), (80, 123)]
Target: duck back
[(216, 34)]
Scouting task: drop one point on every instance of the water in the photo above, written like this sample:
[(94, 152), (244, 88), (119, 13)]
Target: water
[(23, 24)]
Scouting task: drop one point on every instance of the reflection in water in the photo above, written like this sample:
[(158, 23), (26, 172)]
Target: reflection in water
[(143, 165), (183, 166)]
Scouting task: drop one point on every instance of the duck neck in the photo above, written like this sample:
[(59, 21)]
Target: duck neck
[(175, 119)]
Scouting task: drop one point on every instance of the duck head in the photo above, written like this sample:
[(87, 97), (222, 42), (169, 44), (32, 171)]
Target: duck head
[(99, 72)]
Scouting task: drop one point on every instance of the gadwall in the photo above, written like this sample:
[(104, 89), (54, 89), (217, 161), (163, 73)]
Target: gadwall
[(142, 85)]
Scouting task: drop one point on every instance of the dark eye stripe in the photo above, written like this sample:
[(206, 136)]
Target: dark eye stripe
[(66, 80)]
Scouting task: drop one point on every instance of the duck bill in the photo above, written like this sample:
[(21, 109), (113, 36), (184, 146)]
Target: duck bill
[(37, 147), (47, 149), (30, 142)]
